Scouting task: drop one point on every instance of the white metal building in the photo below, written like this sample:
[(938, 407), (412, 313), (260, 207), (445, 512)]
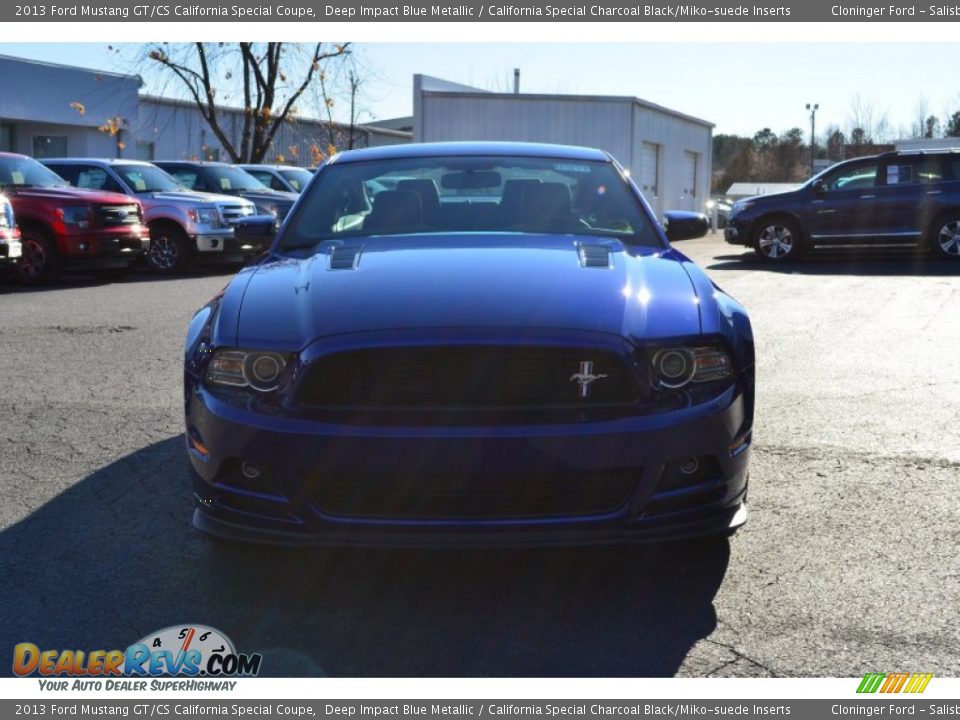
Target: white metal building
[(668, 153), (51, 110)]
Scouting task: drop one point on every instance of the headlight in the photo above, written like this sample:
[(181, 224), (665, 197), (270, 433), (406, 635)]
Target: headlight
[(204, 216), (257, 369), (678, 366), (6, 217), (740, 206), (79, 216)]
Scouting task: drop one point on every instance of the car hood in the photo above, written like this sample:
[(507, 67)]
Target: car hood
[(773, 197), (187, 197), (489, 281), (268, 196), (70, 194)]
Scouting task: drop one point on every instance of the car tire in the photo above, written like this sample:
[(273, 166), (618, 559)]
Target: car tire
[(945, 237), (778, 240), (40, 262), (169, 249)]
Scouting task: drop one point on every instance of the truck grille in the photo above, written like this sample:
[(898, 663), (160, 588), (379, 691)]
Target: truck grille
[(467, 379), (233, 213), (451, 497), (113, 215)]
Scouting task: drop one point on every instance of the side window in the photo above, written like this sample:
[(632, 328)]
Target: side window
[(913, 171), (854, 177), (187, 178), (67, 172), (262, 176), (275, 183), (94, 178)]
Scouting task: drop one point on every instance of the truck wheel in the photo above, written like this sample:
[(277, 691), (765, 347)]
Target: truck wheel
[(40, 261), (778, 240), (169, 249), (945, 238)]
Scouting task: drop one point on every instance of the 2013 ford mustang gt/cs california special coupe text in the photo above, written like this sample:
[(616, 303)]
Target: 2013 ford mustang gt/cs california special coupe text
[(470, 344)]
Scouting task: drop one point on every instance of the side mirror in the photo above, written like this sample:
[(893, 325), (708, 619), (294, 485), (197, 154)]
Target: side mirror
[(684, 225), (818, 187)]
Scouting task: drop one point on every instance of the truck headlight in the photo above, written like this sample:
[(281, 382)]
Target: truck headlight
[(257, 369), (78, 216), (676, 367), (204, 216)]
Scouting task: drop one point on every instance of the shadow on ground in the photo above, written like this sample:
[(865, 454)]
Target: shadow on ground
[(71, 280), (845, 261), (114, 558)]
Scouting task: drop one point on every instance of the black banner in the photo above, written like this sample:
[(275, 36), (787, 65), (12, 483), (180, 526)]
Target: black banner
[(472, 11)]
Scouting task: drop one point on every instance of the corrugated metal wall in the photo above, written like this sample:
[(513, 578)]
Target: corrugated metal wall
[(618, 125)]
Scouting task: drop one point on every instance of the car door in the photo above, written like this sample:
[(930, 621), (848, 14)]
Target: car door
[(908, 196), (843, 205)]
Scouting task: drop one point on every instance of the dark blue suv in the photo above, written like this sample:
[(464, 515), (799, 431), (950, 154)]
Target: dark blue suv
[(897, 197)]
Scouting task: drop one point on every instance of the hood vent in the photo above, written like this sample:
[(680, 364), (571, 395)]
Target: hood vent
[(345, 257), (594, 256)]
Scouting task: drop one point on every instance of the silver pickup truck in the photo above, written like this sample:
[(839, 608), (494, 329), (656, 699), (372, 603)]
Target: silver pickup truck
[(185, 226)]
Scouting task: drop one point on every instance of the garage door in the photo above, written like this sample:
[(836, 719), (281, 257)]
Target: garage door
[(688, 181), (649, 170)]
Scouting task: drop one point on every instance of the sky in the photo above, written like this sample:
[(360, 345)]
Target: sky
[(740, 87)]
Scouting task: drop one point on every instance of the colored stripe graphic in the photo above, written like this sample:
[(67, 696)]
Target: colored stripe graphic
[(870, 683), (894, 682)]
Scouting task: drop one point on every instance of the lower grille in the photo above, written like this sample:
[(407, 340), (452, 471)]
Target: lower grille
[(438, 498), (112, 215), (469, 378)]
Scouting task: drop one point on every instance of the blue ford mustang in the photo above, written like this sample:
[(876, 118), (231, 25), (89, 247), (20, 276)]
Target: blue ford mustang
[(470, 343)]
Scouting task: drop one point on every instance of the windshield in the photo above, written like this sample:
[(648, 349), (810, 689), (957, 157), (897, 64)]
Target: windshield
[(297, 178), (146, 178), (26, 172), (231, 179), (469, 194)]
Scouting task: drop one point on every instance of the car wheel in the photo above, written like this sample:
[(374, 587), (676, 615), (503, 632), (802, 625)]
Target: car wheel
[(778, 241), (40, 261), (945, 238), (168, 249)]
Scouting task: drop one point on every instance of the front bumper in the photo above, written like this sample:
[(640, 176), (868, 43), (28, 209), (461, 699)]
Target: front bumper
[(738, 231), (247, 238), (104, 248), (296, 456)]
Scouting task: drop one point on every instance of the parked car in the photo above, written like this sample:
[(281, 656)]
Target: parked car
[(280, 177), (722, 209), (10, 247), (63, 227), (897, 197), (185, 226), (420, 369), (216, 177)]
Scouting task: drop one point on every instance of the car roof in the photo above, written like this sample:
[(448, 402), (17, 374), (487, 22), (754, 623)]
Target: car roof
[(103, 161), (512, 149), (211, 163), (267, 166)]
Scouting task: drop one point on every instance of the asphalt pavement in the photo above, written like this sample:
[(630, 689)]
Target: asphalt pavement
[(848, 563)]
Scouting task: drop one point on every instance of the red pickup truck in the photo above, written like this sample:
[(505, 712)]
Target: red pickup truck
[(63, 227)]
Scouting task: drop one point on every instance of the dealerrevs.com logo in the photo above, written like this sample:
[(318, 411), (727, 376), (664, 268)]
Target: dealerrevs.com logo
[(181, 650)]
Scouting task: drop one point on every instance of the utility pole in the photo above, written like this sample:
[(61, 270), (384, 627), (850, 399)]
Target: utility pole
[(813, 107)]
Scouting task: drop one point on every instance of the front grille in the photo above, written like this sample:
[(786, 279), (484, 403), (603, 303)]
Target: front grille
[(468, 378), (438, 498), (113, 215), (233, 213)]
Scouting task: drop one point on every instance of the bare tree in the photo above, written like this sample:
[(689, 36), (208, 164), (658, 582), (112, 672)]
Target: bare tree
[(269, 77), (866, 122)]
